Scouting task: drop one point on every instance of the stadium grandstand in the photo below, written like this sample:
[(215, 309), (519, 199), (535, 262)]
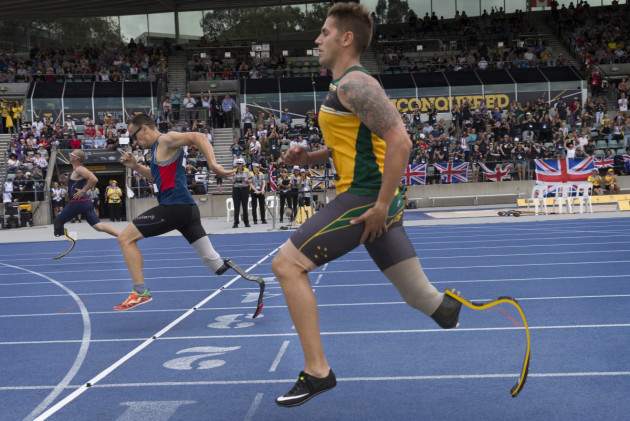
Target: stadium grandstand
[(487, 87)]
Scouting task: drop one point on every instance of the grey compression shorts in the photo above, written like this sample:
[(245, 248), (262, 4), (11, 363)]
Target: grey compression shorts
[(328, 234), (165, 218)]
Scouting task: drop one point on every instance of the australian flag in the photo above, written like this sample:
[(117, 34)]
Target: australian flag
[(453, 172), (415, 174)]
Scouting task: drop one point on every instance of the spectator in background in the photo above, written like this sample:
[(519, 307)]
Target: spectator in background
[(248, 119), (258, 193), (623, 104), (95, 196), (58, 197), (254, 149), (12, 163), (216, 112), (286, 118), (121, 127), (175, 103), (189, 104), (228, 105), (596, 179), (611, 182), (242, 180), (113, 193)]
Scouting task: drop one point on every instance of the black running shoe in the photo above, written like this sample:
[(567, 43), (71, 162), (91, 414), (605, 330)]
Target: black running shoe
[(447, 314), (307, 387)]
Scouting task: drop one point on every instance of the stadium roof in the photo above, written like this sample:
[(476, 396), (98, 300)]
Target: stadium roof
[(51, 9)]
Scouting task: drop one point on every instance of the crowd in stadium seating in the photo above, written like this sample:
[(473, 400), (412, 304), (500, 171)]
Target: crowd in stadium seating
[(597, 35), (248, 67), (131, 62)]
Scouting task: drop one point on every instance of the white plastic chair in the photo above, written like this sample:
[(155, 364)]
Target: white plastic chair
[(270, 203), (229, 204), (538, 199), (563, 195), (584, 193)]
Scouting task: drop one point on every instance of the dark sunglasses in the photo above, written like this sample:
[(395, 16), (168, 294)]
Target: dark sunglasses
[(133, 136)]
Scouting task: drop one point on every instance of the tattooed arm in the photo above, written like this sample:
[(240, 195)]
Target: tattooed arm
[(363, 95)]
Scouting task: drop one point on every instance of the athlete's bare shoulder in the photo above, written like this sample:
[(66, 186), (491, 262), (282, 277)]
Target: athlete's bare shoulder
[(363, 95)]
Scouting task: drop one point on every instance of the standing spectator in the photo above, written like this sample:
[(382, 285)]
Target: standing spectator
[(228, 105), (216, 112), (248, 119), (242, 180), (114, 200), (189, 108), (175, 103), (19, 185), (58, 197), (595, 82), (305, 188), (623, 105), (284, 186), (95, 195), (258, 193), (7, 195), (254, 150)]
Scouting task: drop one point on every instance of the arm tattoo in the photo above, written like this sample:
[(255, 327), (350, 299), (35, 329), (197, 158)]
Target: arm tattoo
[(371, 105)]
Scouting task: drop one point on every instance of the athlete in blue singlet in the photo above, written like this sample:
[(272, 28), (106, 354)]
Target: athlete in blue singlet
[(80, 180), (176, 209)]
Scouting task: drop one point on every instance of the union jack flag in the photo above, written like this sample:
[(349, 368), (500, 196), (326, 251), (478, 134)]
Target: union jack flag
[(453, 172), (556, 171), (604, 162), (415, 174), (319, 182), (273, 180), (498, 174)]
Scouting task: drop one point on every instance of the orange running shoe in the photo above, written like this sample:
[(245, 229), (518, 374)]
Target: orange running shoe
[(134, 300)]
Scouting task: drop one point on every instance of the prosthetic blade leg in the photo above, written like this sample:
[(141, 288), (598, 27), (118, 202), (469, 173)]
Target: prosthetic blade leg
[(261, 283)]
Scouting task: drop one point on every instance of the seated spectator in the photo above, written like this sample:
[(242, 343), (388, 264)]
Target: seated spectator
[(610, 180)]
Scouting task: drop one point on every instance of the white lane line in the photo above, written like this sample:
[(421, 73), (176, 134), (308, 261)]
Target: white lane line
[(362, 332), (83, 349), (78, 392), (600, 262), (253, 407), (281, 352), (356, 304), (319, 277), (332, 272), (348, 379)]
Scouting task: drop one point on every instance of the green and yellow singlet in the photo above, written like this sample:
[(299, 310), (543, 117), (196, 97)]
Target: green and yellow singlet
[(358, 153)]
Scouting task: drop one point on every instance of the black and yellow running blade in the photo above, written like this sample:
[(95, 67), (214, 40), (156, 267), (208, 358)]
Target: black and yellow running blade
[(501, 300), (65, 233)]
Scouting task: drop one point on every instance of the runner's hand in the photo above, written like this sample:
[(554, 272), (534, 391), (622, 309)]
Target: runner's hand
[(375, 220), (295, 155), (128, 160), (221, 172)]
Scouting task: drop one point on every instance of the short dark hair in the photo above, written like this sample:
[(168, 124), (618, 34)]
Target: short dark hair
[(355, 18), (140, 120)]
